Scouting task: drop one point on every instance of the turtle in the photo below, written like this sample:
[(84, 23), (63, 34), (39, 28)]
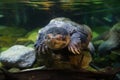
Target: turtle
[(62, 38)]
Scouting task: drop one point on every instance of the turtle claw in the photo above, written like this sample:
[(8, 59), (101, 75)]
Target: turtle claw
[(75, 50), (43, 49), (74, 47), (46, 49), (38, 49), (72, 50)]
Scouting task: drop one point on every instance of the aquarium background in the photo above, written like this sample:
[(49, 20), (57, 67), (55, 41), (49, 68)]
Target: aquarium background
[(21, 20)]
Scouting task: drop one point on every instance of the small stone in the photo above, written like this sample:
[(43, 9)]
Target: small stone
[(14, 70)]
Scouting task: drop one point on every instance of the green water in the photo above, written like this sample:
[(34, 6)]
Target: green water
[(21, 20)]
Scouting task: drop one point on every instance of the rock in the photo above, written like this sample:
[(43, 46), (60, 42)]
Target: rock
[(14, 70), (18, 56), (112, 42), (108, 41)]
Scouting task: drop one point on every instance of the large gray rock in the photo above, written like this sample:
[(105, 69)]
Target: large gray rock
[(112, 40), (18, 56)]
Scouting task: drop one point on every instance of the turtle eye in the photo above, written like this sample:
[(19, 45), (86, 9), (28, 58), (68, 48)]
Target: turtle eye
[(64, 38), (59, 37), (48, 36)]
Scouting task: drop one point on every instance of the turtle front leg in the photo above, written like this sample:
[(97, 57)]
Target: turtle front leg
[(75, 44), (40, 46), (43, 48)]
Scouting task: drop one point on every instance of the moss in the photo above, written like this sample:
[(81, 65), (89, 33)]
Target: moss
[(100, 30), (23, 41), (113, 57), (89, 68), (32, 35), (13, 35), (1, 65), (97, 43), (3, 49), (6, 41), (12, 31), (14, 70), (95, 34), (116, 52), (9, 35)]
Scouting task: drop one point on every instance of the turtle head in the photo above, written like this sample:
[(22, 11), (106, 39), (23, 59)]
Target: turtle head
[(57, 38)]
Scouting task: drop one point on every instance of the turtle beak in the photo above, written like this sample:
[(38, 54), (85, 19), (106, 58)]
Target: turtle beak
[(57, 41), (50, 40)]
